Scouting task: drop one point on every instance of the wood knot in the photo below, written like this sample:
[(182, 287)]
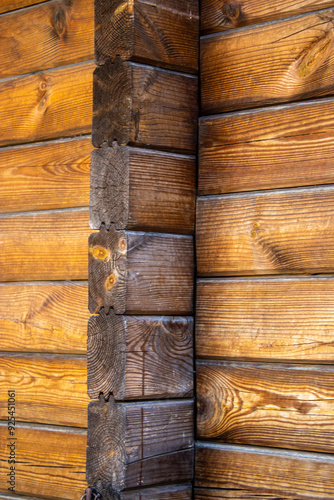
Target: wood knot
[(310, 61), (100, 253), (122, 245), (110, 282), (59, 21), (232, 12)]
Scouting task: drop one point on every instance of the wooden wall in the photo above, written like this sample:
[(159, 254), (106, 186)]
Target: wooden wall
[(45, 125), (265, 238)]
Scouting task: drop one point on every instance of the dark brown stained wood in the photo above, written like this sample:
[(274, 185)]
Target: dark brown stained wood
[(175, 492), (278, 147), (294, 475), (139, 357), (270, 319), (286, 406), (132, 445), (50, 461), (45, 176), (44, 317), (205, 494), (274, 232), (276, 62), (161, 32), (55, 103), (44, 246), (219, 15), (50, 389), (142, 189), (140, 273), (9, 5), (144, 106), (45, 36)]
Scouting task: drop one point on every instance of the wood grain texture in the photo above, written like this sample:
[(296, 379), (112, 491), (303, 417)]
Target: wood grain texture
[(47, 105), (142, 189), (272, 232), (287, 474), (270, 319), (279, 147), (144, 106), (278, 62), (133, 357), (9, 5), (140, 273), (132, 445), (160, 32), (44, 317), (50, 389), (50, 461), (286, 406), (48, 35), (45, 176), (206, 494), (220, 15), (169, 492), (44, 246)]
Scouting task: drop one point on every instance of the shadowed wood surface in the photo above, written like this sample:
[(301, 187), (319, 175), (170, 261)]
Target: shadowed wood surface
[(50, 389), (44, 246), (219, 15), (142, 189), (286, 406), (144, 106), (9, 5), (273, 232), (133, 357), (278, 147), (278, 62), (294, 475), (176, 492), (50, 461), (43, 317), (45, 176), (140, 273), (266, 319), (47, 105), (204, 494), (52, 34), (159, 32)]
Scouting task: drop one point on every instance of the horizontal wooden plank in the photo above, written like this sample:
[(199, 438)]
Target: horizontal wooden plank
[(286, 406), (273, 232), (139, 357), (45, 176), (279, 147), (48, 35), (44, 317), (205, 494), (161, 32), (176, 492), (132, 445), (142, 189), (220, 15), (49, 461), (294, 475), (141, 273), (44, 246), (9, 5), (144, 106), (55, 103), (279, 319), (276, 62), (49, 389)]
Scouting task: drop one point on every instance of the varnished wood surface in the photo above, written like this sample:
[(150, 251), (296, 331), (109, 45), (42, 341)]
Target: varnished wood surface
[(50, 461), (274, 232), (140, 273), (270, 319), (9, 5), (139, 357), (159, 32), (205, 494), (293, 475), (45, 176), (285, 406), (50, 389), (219, 15), (46, 105), (44, 317), (52, 34), (279, 147), (44, 246), (144, 106), (141, 189), (277, 62)]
